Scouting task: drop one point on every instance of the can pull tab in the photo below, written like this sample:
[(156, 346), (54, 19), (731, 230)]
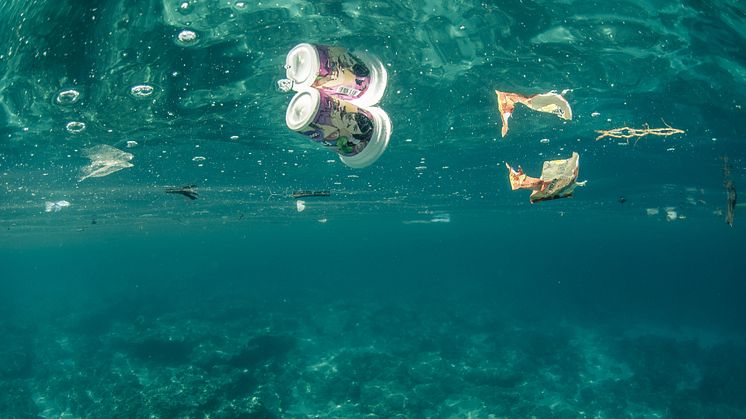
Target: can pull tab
[(285, 85)]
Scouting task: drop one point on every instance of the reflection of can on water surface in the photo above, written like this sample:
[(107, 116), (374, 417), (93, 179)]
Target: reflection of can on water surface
[(360, 78), (358, 135)]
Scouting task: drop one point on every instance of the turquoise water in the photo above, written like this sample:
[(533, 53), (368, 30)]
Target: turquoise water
[(422, 286)]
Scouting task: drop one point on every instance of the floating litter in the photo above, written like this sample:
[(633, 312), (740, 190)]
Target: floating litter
[(558, 179), (50, 206), (199, 158), (546, 102), (131, 144), (300, 205), (105, 160), (652, 211)]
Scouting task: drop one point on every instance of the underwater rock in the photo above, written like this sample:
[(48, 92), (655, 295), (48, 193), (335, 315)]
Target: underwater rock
[(262, 348)]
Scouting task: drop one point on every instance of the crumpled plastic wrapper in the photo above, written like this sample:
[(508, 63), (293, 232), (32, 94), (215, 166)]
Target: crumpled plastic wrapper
[(558, 179), (105, 160), (546, 102)]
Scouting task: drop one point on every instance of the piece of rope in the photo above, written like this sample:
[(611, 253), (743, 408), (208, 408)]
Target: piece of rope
[(627, 132)]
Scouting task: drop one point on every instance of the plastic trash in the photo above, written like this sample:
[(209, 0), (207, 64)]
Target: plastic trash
[(360, 78), (627, 132), (546, 102), (105, 160), (558, 179), (359, 135), (305, 194), (732, 196), (50, 206), (187, 190)]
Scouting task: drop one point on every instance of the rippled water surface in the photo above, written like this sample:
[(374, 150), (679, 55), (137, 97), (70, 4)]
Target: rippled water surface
[(422, 286), (193, 84)]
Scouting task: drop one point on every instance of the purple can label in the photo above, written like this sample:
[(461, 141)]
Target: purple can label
[(340, 125), (341, 73)]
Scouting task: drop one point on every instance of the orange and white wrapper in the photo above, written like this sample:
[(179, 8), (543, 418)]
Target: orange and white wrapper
[(558, 179), (546, 102)]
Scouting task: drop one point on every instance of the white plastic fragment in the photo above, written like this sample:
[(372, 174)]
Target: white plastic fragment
[(50, 206)]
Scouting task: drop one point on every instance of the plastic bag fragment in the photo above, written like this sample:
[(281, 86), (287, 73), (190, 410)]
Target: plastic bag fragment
[(558, 179), (730, 188), (105, 160), (50, 206), (545, 102)]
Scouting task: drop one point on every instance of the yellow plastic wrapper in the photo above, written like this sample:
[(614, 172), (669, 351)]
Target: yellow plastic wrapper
[(546, 102), (558, 179)]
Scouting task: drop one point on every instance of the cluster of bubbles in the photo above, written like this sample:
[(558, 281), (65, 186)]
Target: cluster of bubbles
[(67, 97), (142, 90), (75, 127), (187, 37)]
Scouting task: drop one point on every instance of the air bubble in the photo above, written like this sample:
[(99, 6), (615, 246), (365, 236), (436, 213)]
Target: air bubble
[(68, 97), (187, 37), (142, 90), (75, 127)]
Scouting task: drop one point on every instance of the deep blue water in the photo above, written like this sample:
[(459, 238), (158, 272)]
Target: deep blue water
[(134, 303)]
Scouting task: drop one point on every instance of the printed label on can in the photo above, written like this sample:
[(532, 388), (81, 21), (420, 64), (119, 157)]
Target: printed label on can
[(341, 125), (341, 73)]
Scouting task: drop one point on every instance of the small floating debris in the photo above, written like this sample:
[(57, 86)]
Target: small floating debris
[(75, 127), (199, 158), (305, 194), (730, 188), (652, 211), (187, 190), (300, 205), (50, 206), (544, 141), (442, 217), (105, 160), (558, 179), (142, 90), (67, 97), (546, 102), (131, 144), (595, 114), (671, 214), (627, 132)]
